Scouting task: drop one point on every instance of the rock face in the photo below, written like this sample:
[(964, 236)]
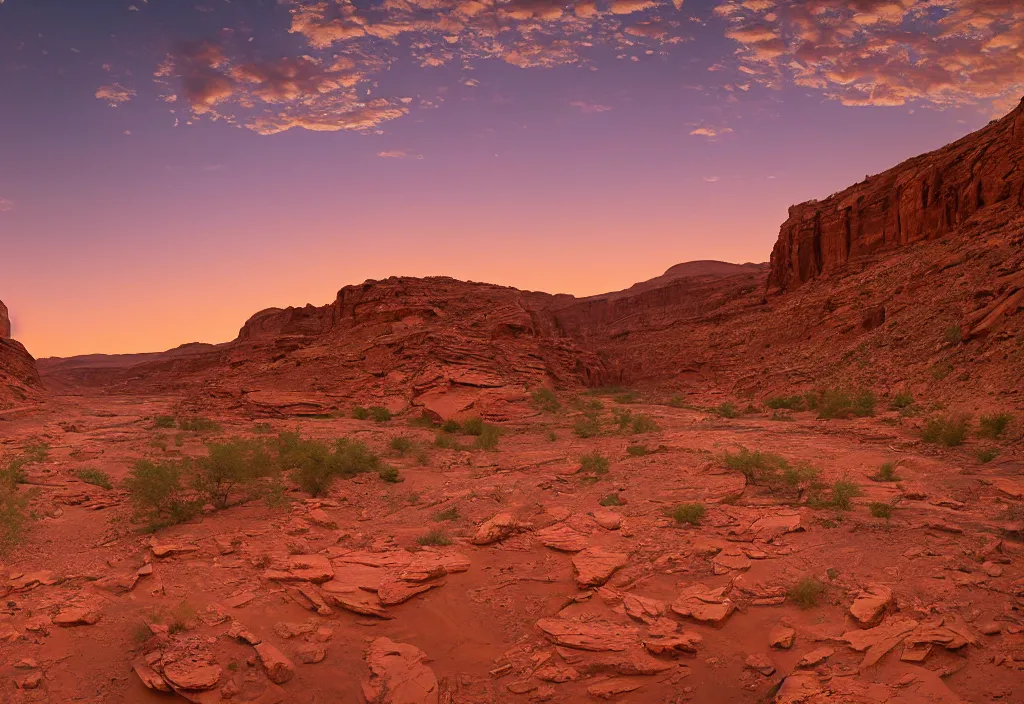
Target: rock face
[(19, 378), (923, 198), (5, 322)]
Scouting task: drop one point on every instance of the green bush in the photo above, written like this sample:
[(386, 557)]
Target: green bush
[(841, 403), (488, 437), (806, 592), (13, 472), (759, 468), (164, 422), (611, 500), (953, 335), (880, 509), (950, 430), (229, 465), (627, 397), (841, 496), (643, 424), (986, 455), (316, 465), (901, 400), (637, 451), (449, 514), (380, 414), (793, 403), (423, 420), (435, 536), (401, 444), (450, 426), (677, 401), (198, 424), (95, 477), (886, 473), (993, 426), (546, 400), (12, 516), (473, 426), (622, 417), (688, 513), (447, 442), (36, 452), (587, 427), (389, 474), (158, 491), (551, 435), (727, 410), (360, 413), (594, 463)]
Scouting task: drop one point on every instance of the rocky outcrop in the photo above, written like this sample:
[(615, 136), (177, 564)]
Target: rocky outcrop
[(19, 378), (5, 323), (923, 198)]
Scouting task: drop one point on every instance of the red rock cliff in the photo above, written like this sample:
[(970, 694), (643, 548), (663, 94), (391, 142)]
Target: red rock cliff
[(19, 379), (921, 199)]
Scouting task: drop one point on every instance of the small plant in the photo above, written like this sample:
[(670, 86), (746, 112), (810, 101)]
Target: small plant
[(164, 422), (95, 477), (263, 428), (901, 400), (841, 496), (423, 420), (12, 516), (612, 499), (880, 509), (488, 437), (360, 413), (950, 430), (594, 463), (758, 467), (379, 414), (677, 401), (886, 473), (986, 455), (158, 492), (941, 370), (389, 474), (434, 536), (473, 426), (551, 435), (953, 335), (587, 427), (840, 403), (792, 403), (993, 426), (229, 465), (449, 514), (422, 457), (447, 442), (637, 451), (36, 452), (316, 465), (806, 592), (198, 424), (688, 513), (451, 426), (546, 400), (727, 410), (401, 444), (643, 424), (627, 397), (831, 573)]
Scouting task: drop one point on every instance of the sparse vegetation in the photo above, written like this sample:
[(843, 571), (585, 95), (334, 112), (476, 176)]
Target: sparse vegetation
[(688, 513), (546, 400), (953, 335), (229, 465), (449, 514), (451, 426), (488, 437), (360, 413), (994, 425), (473, 426), (198, 424), (447, 442), (587, 427), (771, 471), (435, 537), (379, 414), (423, 420), (627, 397), (986, 455), (594, 463), (841, 496), (643, 423), (941, 370), (159, 494), (901, 400), (637, 451), (612, 499), (792, 403), (880, 509), (842, 403), (949, 430), (886, 473), (12, 508), (95, 477), (677, 401), (551, 435), (727, 410), (806, 592), (164, 422), (315, 465), (401, 444), (389, 474)]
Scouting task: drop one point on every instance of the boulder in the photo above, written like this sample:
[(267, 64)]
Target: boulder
[(398, 675), (871, 605), (594, 566)]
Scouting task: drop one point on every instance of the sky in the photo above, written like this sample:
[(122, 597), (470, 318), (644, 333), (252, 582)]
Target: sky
[(170, 167)]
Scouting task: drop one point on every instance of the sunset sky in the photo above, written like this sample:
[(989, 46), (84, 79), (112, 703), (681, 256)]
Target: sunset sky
[(170, 167)]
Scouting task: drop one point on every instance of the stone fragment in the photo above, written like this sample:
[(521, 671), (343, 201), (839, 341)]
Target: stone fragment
[(595, 565), (192, 675), (781, 637), (799, 688), (319, 518), (302, 568), (171, 549), (556, 674), (561, 537), (77, 616), (644, 608), (612, 688), (278, 668), (311, 654), (681, 642), (589, 635), (150, 677), (729, 560), (497, 528), (607, 518), (870, 605), (354, 599), (760, 663), (395, 591), (398, 675), (703, 604), (815, 657)]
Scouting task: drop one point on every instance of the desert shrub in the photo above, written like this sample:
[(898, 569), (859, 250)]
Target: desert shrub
[(986, 455), (758, 467), (793, 403), (546, 400), (401, 444), (993, 426), (473, 426), (229, 465), (263, 428), (643, 424), (688, 513), (587, 404), (587, 427), (594, 463), (315, 464), (880, 509), (95, 477), (551, 435), (488, 437), (794, 476), (447, 442), (352, 457), (198, 424), (677, 401), (12, 515), (389, 474), (841, 403), (886, 473), (901, 400), (158, 491), (379, 414), (941, 370), (451, 426), (953, 335), (622, 417), (435, 536), (637, 450), (949, 430), (12, 472), (612, 499), (449, 514), (841, 496), (627, 397), (423, 420), (727, 410), (36, 452), (806, 592), (360, 413), (164, 422)]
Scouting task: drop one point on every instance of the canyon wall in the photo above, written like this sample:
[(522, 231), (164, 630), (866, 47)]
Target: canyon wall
[(19, 378), (923, 198)]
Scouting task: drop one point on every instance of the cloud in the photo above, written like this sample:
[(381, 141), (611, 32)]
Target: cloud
[(114, 94), (6, 205), (398, 154), (710, 132), (711, 179), (587, 106)]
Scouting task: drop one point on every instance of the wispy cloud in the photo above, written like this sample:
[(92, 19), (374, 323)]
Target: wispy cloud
[(710, 132), (398, 154), (587, 106), (6, 205), (114, 94)]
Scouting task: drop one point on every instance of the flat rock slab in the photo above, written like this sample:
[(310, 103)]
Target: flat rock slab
[(607, 518), (302, 568), (350, 598), (430, 565), (609, 689), (398, 674), (595, 566), (396, 591), (594, 636), (278, 667), (703, 604), (562, 538), (870, 606), (77, 616), (192, 675), (497, 528)]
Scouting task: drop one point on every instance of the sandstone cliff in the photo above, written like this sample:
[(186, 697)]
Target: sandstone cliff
[(923, 198), (19, 379)]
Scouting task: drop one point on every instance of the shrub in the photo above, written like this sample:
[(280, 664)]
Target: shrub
[(793, 403), (380, 414), (423, 420), (229, 465), (352, 457), (473, 426), (587, 405), (677, 401), (644, 424), (390, 474), (95, 477), (447, 442), (901, 400), (794, 476), (941, 370), (360, 413), (839, 403), (435, 536), (545, 399), (198, 424), (158, 492), (622, 417), (164, 422), (953, 335), (450, 426), (806, 592), (880, 509), (727, 410), (587, 427), (401, 444), (992, 426), (551, 435), (987, 455), (315, 464), (688, 513), (12, 516), (628, 397), (636, 451), (612, 499), (37, 452), (758, 467), (13, 473), (449, 514), (841, 496), (262, 428), (886, 473), (950, 430), (488, 437), (594, 463)]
